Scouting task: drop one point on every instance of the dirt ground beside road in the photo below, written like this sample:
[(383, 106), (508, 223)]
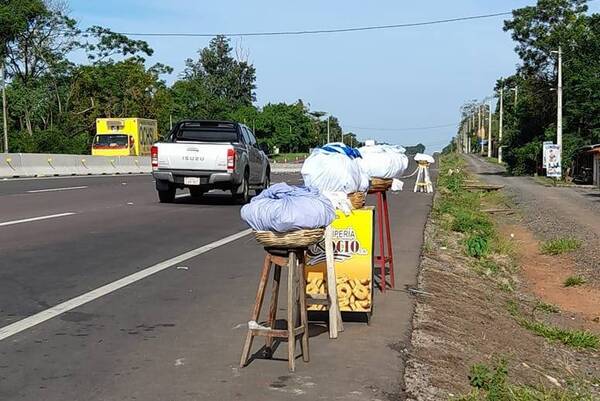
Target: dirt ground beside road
[(553, 212), (477, 314)]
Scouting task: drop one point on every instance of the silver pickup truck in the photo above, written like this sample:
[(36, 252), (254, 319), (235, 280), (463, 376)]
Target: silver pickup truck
[(203, 155)]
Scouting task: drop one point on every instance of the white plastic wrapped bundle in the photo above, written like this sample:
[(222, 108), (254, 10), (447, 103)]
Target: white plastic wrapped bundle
[(334, 168), (383, 161), (422, 157)]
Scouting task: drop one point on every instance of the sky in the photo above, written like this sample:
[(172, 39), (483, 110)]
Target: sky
[(380, 84)]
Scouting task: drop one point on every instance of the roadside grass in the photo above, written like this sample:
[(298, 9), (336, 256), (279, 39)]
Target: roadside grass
[(574, 338), (574, 281), (460, 210), (288, 157), (546, 307), (560, 246), (459, 213), (492, 384), (493, 160)]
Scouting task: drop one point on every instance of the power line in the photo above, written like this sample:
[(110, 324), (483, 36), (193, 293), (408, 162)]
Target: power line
[(402, 129), (320, 31)]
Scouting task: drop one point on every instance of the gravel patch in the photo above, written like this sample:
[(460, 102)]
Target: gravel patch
[(553, 212)]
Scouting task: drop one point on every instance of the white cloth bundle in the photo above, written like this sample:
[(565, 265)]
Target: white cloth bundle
[(383, 161), (334, 168), (422, 157)]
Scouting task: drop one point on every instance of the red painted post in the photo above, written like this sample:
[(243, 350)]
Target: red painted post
[(389, 259)]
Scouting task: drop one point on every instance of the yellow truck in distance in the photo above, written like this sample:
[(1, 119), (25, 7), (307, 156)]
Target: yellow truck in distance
[(124, 136)]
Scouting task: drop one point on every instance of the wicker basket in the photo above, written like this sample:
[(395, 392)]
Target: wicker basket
[(357, 199), (292, 239), (380, 184)]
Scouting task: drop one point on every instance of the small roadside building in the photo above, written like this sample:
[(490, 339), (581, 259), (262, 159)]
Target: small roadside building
[(586, 165)]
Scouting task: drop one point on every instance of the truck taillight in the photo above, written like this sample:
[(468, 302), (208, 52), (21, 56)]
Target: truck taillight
[(154, 157), (230, 160)]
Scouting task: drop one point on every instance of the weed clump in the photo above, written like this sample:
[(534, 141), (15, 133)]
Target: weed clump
[(574, 281), (492, 384), (560, 246), (572, 338)]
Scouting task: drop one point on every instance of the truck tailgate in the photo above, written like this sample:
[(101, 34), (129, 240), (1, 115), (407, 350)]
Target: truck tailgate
[(193, 156)]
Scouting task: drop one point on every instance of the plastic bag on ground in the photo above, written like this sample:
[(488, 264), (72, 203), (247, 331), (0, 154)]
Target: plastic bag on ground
[(283, 208), (334, 168), (383, 161), (397, 185)]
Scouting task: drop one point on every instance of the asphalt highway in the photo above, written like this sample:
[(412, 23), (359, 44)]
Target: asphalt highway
[(106, 294)]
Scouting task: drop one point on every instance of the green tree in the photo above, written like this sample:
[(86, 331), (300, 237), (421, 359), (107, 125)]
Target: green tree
[(222, 75), (538, 30), (15, 17)]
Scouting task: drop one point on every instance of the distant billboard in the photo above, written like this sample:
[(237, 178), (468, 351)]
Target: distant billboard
[(553, 161), (545, 153)]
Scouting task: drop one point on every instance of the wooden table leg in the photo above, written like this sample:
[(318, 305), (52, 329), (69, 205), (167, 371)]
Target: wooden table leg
[(260, 295), (273, 306), (303, 312), (291, 310), (335, 316), (389, 257)]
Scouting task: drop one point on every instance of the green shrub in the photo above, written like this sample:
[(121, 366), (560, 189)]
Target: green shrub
[(477, 246), (468, 222)]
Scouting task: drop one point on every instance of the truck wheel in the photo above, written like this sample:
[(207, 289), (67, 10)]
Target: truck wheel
[(266, 183), (244, 196), (167, 196)]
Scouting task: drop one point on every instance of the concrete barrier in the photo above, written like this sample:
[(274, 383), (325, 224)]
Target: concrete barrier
[(44, 165), (10, 165)]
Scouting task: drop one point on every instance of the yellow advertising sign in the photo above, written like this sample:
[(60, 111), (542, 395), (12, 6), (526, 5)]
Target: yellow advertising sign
[(353, 246)]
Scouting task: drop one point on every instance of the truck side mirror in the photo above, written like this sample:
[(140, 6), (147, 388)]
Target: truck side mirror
[(131, 141)]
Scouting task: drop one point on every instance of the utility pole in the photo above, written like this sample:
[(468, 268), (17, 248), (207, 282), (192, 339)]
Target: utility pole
[(559, 101), (4, 110), (472, 130), (500, 122), (480, 133), (516, 89), (489, 149), (328, 118)]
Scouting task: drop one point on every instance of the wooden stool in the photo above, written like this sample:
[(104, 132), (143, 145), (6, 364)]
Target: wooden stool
[(385, 259), (296, 305), (423, 182)]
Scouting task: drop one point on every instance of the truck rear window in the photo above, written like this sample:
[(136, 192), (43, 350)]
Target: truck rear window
[(205, 135)]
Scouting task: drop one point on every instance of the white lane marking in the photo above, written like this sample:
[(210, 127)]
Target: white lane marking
[(35, 191), (50, 216), (181, 196), (73, 303), (75, 176)]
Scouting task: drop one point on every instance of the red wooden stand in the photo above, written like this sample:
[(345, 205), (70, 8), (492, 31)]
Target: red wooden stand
[(384, 260)]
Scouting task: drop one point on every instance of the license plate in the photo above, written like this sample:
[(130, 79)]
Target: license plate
[(191, 180)]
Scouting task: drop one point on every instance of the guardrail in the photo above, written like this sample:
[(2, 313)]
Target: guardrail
[(286, 167), (14, 165)]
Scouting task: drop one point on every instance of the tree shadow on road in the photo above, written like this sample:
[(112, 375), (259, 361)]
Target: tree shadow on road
[(497, 173)]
